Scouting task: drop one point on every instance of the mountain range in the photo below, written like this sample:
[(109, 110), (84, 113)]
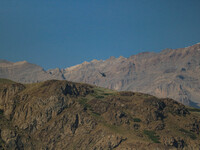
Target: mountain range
[(172, 73)]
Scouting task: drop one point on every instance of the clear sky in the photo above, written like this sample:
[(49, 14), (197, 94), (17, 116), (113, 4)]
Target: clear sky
[(63, 33)]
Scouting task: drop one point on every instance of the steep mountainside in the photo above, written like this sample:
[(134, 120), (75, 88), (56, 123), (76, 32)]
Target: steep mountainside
[(170, 73), (66, 115)]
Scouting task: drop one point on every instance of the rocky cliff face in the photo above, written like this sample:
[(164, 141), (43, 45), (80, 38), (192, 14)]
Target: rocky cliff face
[(170, 73), (66, 115)]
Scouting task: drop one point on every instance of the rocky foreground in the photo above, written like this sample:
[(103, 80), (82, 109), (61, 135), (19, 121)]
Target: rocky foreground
[(65, 115)]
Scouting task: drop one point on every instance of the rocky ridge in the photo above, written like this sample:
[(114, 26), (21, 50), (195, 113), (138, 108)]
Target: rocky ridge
[(66, 115), (170, 73)]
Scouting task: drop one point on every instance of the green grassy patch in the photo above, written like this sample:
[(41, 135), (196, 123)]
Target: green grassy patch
[(107, 94), (99, 96), (114, 128), (136, 119), (102, 92), (152, 136), (95, 114), (83, 102), (188, 133), (194, 109), (3, 81)]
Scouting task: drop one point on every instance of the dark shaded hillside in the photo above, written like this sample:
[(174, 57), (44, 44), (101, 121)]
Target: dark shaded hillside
[(66, 115)]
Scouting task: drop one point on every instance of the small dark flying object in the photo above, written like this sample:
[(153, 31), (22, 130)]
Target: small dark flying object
[(102, 74)]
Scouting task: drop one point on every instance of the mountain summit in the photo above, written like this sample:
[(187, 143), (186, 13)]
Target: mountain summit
[(170, 73)]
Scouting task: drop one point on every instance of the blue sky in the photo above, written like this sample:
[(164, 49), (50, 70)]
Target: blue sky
[(63, 33)]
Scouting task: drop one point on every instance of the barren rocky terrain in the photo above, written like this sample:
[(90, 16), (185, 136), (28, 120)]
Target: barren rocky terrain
[(170, 73), (66, 115)]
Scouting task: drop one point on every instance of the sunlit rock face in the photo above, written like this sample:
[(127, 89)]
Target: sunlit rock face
[(170, 73)]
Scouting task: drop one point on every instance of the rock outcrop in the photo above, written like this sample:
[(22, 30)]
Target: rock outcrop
[(65, 115)]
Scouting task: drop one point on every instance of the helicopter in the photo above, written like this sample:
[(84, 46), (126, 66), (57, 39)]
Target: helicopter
[(102, 74)]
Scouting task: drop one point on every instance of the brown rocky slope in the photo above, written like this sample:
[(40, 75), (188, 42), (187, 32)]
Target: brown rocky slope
[(65, 115)]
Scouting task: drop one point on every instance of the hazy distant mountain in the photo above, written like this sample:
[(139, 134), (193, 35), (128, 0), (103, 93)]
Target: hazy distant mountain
[(170, 73), (25, 72), (65, 115)]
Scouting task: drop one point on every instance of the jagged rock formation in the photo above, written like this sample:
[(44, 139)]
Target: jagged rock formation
[(170, 73), (66, 115)]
